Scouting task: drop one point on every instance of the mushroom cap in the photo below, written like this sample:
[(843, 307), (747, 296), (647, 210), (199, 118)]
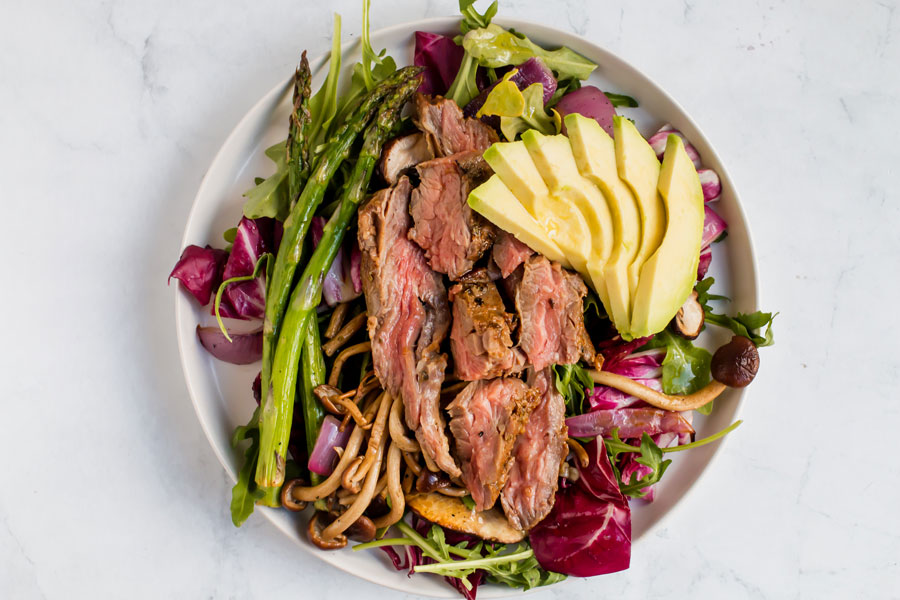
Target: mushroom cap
[(735, 364)]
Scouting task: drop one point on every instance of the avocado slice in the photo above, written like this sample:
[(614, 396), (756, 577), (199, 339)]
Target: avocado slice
[(561, 220), (511, 161), (638, 167), (595, 155), (668, 277), (497, 204), (552, 154)]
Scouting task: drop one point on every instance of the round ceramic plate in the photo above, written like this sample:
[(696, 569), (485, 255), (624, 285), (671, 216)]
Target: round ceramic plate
[(221, 392)]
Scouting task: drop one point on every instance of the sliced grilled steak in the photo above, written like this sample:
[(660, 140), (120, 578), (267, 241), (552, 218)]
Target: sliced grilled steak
[(487, 418), (480, 337), (408, 317), (452, 234), (402, 153), (540, 449), (508, 252), (448, 132), (551, 318)]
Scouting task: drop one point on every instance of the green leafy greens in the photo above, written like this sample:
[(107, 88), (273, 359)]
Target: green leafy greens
[(652, 457), (685, 367), (492, 46), (514, 566), (618, 100), (270, 197), (572, 381), (748, 325)]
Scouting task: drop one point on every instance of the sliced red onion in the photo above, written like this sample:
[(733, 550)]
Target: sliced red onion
[(631, 422), (712, 187), (703, 266), (713, 227), (591, 102), (658, 143), (339, 284), (355, 265), (243, 349), (323, 458)]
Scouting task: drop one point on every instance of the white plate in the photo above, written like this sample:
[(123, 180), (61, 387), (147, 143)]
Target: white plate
[(221, 392)]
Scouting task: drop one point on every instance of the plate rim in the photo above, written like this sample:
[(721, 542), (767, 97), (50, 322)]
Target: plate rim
[(444, 23)]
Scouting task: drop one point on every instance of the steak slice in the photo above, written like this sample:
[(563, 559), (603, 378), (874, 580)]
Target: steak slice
[(452, 234), (540, 450), (551, 318), (447, 130), (408, 317), (508, 253), (486, 419), (480, 339)]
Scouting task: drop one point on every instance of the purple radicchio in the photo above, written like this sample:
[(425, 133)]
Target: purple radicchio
[(588, 532), (247, 300), (200, 271), (441, 57), (644, 367)]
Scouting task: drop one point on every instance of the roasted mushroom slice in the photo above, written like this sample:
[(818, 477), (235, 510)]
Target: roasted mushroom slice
[(453, 514), (402, 153), (689, 318)]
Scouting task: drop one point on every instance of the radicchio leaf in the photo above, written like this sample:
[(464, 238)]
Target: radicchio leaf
[(588, 532), (200, 271), (441, 58)]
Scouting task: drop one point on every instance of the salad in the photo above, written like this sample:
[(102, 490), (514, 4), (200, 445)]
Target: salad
[(476, 289)]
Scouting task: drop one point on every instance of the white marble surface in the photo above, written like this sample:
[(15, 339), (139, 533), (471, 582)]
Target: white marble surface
[(109, 114)]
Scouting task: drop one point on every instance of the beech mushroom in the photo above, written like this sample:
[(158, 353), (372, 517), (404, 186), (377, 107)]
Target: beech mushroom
[(403, 152), (287, 496), (362, 530), (689, 318), (315, 536), (735, 364)]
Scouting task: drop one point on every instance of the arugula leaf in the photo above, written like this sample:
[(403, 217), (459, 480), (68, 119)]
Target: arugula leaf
[(745, 324), (563, 88), (572, 381), (515, 567), (651, 456), (512, 566), (270, 197), (471, 19), (465, 84), (685, 367), (323, 105), (245, 492), (621, 100), (492, 46), (467, 500)]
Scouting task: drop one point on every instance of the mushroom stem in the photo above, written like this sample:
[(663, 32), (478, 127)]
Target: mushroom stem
[(343, 336), (398, 501), (664, 401), (398, 435), (337, 319)]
